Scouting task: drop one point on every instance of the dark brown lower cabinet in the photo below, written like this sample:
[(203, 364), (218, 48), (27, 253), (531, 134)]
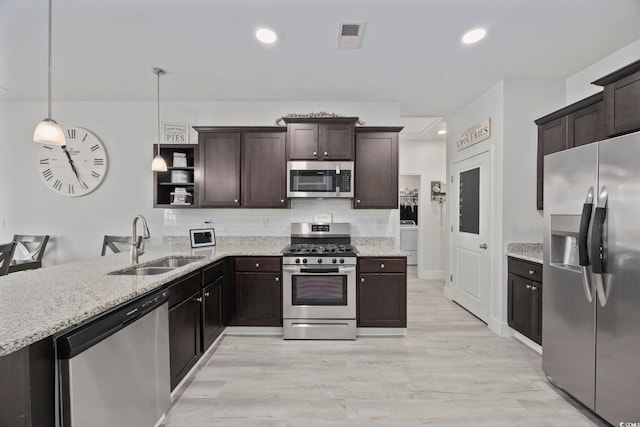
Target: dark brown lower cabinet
[(258, 299), (27, 386), (212, 325), (382, 292), (257, 291), (525, 298), (185, 311)]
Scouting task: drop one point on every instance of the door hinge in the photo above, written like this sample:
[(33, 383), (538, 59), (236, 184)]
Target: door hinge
[(451, 278), (452, 179), (452, 228)]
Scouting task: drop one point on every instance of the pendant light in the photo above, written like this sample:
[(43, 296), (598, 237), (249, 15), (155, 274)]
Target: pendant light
[(48, 131), (158, 164)]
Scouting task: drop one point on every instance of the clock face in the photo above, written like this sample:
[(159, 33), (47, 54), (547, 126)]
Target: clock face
[(75, 169)]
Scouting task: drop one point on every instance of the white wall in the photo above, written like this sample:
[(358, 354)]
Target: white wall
[(128, 130), (427, 159), (513, 105)]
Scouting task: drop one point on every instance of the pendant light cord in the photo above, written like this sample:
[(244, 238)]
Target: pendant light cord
[(157, 71), (50, 68)]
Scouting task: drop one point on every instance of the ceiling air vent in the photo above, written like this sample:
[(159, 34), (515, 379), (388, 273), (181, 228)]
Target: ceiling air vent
[(350, 35)]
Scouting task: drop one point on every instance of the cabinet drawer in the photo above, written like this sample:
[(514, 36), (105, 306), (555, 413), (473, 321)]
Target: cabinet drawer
[(383, 265), (184, 289), (529, 270), (211, 274), (262, 264)]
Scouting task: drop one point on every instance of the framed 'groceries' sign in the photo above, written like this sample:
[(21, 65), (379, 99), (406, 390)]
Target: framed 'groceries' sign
[(175, 133)]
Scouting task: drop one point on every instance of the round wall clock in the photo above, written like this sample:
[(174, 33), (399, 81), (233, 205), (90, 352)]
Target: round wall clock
[(75, 169)]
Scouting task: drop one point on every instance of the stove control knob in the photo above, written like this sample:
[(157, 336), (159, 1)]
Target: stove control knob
[(341, 260), (304, 260), (297, 260), (319, 260), (334, 260)]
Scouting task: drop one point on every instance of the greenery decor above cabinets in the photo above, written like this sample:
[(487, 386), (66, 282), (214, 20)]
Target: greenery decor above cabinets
[(376, 168), (177, 187), (242, 167), (320, 138)]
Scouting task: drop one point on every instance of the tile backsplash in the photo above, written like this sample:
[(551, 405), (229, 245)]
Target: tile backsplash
[(277, 222)]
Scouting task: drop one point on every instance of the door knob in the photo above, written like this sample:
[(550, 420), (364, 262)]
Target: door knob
[(483, 246)]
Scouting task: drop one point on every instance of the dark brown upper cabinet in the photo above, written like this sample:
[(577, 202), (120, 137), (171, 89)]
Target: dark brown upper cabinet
[(622, 99), (376, 168), (577, 124), (242, 167), (320, 139)]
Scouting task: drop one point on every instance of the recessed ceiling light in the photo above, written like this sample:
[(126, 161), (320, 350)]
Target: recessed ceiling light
[(442, 132), (474, 36), (266, 36)]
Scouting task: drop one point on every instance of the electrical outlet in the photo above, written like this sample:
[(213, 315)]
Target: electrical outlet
[(265, 223)]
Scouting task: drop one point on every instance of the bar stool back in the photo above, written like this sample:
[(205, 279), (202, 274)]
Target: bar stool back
[(6, 252), (28, 252), (116, 243)]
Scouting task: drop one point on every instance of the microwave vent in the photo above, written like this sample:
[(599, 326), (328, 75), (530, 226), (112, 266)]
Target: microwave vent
[(350, 35)]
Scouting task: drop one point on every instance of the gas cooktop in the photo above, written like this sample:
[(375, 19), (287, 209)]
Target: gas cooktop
[(324, 249)]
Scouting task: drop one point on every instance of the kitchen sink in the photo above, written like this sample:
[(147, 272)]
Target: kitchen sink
[(158, 266)]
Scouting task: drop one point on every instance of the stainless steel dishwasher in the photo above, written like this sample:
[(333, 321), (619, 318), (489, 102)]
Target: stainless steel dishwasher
[(114, 370)]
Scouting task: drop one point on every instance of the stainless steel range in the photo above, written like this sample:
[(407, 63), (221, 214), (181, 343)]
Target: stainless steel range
[(319, 282)]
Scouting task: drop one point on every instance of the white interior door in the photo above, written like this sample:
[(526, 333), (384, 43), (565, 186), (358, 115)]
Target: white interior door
[(471, 257)]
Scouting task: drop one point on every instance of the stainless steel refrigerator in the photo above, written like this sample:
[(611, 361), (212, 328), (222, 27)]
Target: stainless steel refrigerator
[(591, 295)]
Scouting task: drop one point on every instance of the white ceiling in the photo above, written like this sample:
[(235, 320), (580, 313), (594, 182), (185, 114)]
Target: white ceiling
[(411, 51)]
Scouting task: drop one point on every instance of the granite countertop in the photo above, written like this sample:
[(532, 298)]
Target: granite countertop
[(35, 304), (526, 251)]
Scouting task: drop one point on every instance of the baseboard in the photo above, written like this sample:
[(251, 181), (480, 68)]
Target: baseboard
[(526, 341), (253, 330), (381, 332), (500, 328), (432, 275)]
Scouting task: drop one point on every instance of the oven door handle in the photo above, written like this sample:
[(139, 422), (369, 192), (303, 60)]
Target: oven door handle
[(318, 270)]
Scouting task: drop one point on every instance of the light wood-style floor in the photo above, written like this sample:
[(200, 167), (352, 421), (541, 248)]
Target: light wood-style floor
[(449, 370)]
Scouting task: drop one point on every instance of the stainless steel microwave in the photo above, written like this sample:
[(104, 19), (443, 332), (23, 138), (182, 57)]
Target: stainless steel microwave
[(320, 179)]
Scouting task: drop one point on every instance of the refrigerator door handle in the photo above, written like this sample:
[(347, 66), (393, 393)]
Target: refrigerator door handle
[(598, 253), (583, 249)]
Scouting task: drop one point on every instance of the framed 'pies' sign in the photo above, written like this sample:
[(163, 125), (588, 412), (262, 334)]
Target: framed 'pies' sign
[(201, 237), (175, 133)]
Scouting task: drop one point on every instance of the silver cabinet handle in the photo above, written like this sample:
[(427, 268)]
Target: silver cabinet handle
[(281, 200), (206, 294), (534, 288), (358, 201), (326, 154), (528, 286), (235, 200), (199, 299), (382, 265), (257, 265), (362, 279), (277, 279), (315, 153), (531, 272), (483, 246)]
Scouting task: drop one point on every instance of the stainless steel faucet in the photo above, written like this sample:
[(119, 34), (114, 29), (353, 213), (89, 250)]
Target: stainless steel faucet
[(137, 249)]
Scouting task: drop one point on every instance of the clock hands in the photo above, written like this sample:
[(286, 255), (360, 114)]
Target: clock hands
[(73, 166)]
